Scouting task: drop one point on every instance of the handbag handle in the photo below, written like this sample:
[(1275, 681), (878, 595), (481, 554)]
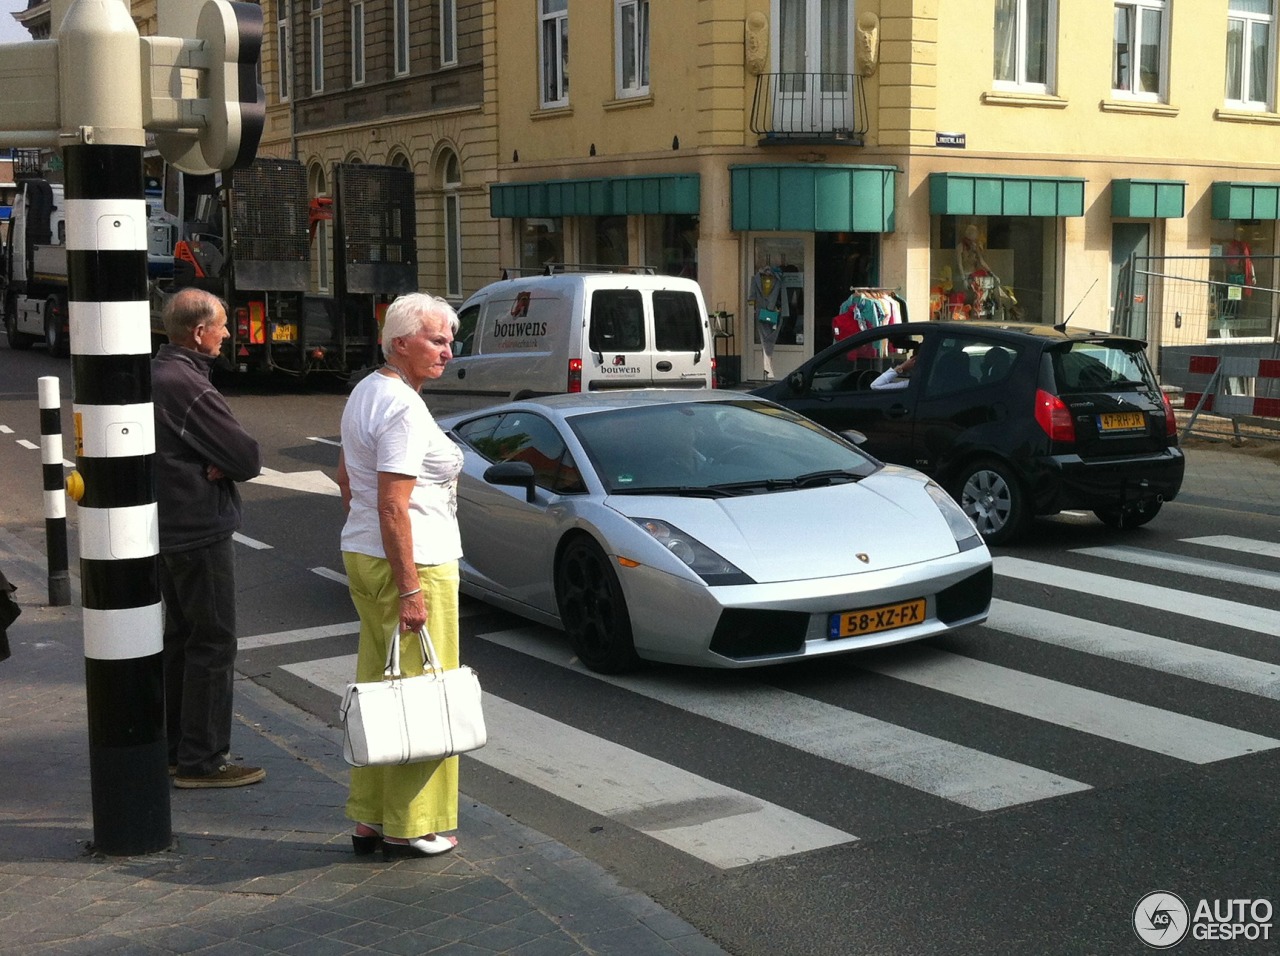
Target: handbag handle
[(430, 659)]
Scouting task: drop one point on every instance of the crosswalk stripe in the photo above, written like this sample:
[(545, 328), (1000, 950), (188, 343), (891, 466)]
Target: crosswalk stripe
[(1231, 613), (1133, 647), (250, 542), (952, 771), (468, 609), (1160, 560), (724, 827), (1266, 549), (1128, 722)]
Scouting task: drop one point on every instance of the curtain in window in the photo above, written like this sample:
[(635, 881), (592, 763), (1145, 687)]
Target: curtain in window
[(836, 27), (1006, 48), (1149, 52), (1259, 58)]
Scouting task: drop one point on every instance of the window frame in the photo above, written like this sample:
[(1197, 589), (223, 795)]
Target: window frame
[(357, 43), (400, 59), (639, 48), (317, 46), (1135, 10), (553, 71), (1249, 21), (448, 33), (1019, 83), (451, 189), (284, 49)]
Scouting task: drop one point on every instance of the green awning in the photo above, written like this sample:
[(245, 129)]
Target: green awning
[(1148, 198), (980, 194), (1230, 200), (614, 196), (812, 198)]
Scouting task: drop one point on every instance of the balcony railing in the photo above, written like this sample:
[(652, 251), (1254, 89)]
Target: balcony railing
[(827, 108)]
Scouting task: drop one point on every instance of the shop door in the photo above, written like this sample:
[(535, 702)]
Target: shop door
[(778, 304), (1129, 239)]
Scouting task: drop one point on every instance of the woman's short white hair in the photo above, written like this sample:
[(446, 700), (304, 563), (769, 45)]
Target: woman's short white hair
[(411, 312)]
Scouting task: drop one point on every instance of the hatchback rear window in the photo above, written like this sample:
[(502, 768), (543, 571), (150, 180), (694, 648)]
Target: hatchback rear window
[(677, 321), (1100, 367), (617, 321)]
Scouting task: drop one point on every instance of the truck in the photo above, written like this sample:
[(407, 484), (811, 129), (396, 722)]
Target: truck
[(248, 237), (33, 280)]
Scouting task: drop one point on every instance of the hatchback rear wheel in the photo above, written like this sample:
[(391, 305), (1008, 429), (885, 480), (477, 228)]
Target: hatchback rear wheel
[(994, 499), (593, 609)]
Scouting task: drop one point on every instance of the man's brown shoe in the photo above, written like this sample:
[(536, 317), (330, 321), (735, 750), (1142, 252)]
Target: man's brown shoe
[(228, 775)]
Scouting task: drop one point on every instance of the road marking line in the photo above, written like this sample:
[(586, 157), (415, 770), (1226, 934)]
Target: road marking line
[(1232, 613), (5, 430), (28, 444), (315, 481), (325, 441), (724, 827), (300, 634), (1133, 647), (332, 575), (1114, 718), (250, 542), (1214, 570), (939, 767), (1268, 549)]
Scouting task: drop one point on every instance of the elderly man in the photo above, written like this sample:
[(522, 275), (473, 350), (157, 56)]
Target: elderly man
[(201, 452)]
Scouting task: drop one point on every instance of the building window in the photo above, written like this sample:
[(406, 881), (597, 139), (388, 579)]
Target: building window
[(541, 243), (603, 241), (401, 27), (554, 52), (1024, 44), (671, 245), (1139, 49), (631, 47), (1250, 53), (357, 42), (448, 32), (317, 46), (451, 184), (321, 266), (284, 45)]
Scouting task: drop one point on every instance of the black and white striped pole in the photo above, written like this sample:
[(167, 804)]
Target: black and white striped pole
[(108, 310), (55, 494)]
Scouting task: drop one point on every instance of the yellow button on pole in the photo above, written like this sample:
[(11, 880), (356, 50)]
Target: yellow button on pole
[(75, 486)]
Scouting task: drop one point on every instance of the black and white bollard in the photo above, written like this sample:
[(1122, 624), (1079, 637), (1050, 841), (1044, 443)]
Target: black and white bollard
[(55, 494), (109, 314)]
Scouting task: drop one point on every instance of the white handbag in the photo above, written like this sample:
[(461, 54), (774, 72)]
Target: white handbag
[(401, 720)]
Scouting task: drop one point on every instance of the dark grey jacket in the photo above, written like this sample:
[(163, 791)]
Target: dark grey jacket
[(195, 429)]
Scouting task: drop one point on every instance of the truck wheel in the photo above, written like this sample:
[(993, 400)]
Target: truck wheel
[(55, 332), (18, 341)]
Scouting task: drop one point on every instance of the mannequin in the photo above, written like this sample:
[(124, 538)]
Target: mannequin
[(974, 271), (767, 293)]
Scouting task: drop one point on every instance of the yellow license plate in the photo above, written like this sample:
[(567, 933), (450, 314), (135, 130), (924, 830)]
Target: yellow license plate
[(284, 332), (1122, 422), (872, 619)]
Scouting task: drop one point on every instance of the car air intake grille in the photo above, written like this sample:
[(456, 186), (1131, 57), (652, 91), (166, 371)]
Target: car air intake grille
[(967, 598), (744, 633)]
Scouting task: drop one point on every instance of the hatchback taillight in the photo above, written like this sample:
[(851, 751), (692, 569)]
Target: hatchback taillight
[(1170, 420), (575, 376), (1053, 416)]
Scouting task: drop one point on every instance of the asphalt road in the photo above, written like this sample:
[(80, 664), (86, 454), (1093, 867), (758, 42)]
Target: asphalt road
[(1113, 730)]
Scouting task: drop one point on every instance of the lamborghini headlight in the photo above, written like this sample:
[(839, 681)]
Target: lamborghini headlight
[(962, 529), (702, 561)]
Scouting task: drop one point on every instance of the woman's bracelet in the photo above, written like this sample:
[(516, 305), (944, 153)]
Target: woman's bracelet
[(405, 594)]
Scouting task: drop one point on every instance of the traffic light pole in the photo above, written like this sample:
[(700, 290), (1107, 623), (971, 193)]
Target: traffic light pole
[(95, 90)]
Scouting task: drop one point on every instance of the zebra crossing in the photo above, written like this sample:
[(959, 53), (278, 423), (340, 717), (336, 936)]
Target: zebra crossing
[(729, 826)]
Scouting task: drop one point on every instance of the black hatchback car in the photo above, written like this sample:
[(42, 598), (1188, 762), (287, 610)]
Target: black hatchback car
[(1014, 420)]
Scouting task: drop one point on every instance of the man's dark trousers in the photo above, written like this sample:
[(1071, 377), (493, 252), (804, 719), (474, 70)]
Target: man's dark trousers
[(199, 591)]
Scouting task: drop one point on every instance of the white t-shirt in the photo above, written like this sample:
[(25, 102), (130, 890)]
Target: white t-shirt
[(386, 427)]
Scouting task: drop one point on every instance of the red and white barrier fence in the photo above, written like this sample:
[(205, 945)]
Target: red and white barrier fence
[(1237, 401)]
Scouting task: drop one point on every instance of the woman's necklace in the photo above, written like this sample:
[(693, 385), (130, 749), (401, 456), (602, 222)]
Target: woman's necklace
[(404, 378)]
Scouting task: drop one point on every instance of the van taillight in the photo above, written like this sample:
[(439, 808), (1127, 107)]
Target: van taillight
[(242, 324), (1170, 420), (1053, 416), (575, 376)]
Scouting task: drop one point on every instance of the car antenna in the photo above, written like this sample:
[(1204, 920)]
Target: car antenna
[(1062, 326)]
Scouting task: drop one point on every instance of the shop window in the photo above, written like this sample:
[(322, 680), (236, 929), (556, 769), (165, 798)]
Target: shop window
[(1241, 274), (1140, 49), (1025, 32), (1001, 268), (671, 245), (604, 241), (1250, 53), (541, 243)]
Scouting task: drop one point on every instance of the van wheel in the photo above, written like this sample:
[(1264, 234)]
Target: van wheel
[(994, 499), (18, 341), (55, 333), (1134, 517), (593, 609)]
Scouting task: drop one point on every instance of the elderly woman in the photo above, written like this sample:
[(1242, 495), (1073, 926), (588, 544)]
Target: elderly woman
[(400, 544)]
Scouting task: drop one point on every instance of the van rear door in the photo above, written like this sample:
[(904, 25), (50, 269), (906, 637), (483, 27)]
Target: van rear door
[(639, 337), (682, 357)]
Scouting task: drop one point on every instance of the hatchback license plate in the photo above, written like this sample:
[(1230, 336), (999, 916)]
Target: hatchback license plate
[(1122, 422), (872, 619)]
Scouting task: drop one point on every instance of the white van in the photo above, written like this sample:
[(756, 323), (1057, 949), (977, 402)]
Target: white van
[(576, 332)]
